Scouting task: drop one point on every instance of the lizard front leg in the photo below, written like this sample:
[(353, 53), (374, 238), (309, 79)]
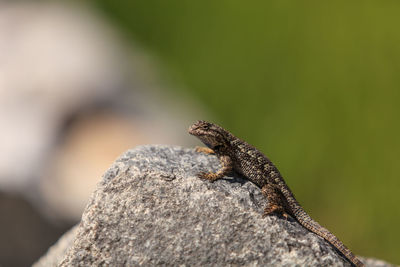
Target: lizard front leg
[(275, 202), (226, 168)]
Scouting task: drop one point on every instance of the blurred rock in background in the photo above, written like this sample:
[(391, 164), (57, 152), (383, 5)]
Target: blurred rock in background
[(72, 98)]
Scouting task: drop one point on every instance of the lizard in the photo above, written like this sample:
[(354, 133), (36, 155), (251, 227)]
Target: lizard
[(237, 155)]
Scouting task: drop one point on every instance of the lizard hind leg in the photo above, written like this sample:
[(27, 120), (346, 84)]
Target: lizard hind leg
[(275, 203)]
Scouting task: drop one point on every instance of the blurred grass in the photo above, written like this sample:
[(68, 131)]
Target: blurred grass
[(313, 84)]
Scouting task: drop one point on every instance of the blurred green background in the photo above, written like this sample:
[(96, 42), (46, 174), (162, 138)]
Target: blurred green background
[(313, 84)]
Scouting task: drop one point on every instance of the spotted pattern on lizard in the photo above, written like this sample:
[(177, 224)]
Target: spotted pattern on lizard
[(235, 154)]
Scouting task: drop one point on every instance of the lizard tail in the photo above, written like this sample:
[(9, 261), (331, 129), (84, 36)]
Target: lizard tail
[(304, 219)]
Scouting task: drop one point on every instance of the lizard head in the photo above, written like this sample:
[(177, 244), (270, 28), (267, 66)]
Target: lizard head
[(210, 134)]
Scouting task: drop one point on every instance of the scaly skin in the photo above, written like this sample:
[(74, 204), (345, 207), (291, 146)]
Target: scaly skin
[(236, 154)]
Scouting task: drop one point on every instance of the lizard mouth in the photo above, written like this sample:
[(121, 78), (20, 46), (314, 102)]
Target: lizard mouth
[(194, 130), (191, 130)]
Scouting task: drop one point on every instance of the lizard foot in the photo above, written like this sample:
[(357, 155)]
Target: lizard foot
[(275, 209), (208, 176), (206, 150)]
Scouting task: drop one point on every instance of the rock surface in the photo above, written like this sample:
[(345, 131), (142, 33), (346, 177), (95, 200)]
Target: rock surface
[(151, 209)]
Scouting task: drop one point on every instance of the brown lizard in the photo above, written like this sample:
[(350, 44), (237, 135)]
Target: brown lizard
[(235, 154)]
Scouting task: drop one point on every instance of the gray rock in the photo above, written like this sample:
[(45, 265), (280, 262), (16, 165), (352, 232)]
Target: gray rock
[(57, 252), (151, 209)]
